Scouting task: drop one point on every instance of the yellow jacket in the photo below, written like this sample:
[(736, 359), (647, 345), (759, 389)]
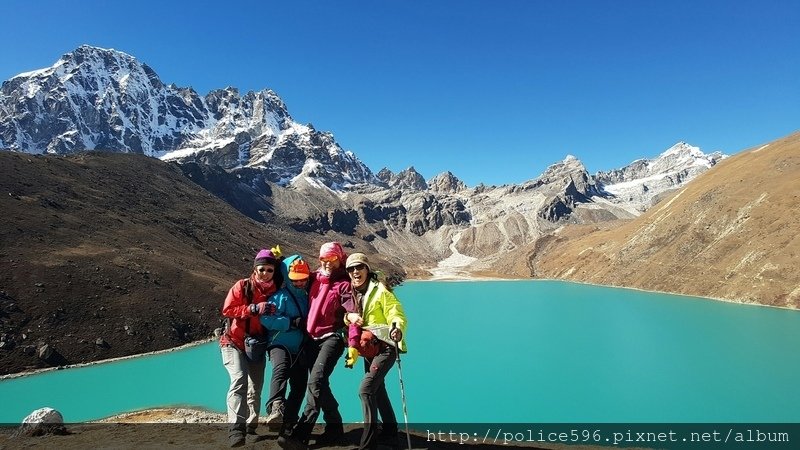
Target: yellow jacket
[(380, 309)]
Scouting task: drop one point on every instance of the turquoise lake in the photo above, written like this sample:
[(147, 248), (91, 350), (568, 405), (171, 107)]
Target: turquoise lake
[(505, 351)]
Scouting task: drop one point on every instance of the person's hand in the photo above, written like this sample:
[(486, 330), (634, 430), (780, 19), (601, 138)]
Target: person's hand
[(396, 335), (354, 318), (263, 308), (298, 322)]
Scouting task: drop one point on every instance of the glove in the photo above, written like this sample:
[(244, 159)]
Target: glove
[(263, 308), (298, 322), (352, 357)]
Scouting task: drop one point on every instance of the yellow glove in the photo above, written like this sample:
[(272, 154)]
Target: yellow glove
[(352, 357)]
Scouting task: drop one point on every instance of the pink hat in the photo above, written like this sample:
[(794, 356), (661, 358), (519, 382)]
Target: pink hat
[(332, 249)]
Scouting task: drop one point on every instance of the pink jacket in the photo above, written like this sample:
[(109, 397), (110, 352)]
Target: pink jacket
[(326, 298)]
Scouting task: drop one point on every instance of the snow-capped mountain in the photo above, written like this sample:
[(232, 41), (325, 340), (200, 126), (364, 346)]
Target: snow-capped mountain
[(640, 182), (94, 98), (97, 99)]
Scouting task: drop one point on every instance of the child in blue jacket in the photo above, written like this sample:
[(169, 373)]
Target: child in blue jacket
[(286, 335)]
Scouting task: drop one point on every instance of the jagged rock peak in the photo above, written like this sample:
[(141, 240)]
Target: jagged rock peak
[(570, 162), (385, 175), (412, 179), (446, 183), (561, 170), (567, 174), (408, 179)]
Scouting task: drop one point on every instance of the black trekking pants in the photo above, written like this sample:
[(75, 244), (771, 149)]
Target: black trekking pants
[(326, 354), (374, 399), (287, 370)]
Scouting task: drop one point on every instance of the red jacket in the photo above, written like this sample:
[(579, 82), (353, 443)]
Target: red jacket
[(236, 309), (326, 298)]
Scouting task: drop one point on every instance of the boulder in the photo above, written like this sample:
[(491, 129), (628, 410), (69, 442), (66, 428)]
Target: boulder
[(41, 422), (45, 352)]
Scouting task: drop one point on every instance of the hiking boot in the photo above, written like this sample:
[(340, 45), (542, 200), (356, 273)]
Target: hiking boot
[(331, 436), (291, 443), (389, 439), (275, 417), (388, 443), (388, 431), (236, 439), (287, 427)]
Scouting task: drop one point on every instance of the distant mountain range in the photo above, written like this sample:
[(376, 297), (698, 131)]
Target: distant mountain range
[(100, 99)]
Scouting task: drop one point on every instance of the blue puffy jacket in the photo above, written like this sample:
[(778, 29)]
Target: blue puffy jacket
[(280, 332)]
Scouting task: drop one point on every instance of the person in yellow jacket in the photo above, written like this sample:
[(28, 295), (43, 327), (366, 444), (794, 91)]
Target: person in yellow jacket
[(376, 310)]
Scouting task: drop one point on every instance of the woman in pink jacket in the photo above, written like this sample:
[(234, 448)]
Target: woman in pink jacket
[(330, 289)]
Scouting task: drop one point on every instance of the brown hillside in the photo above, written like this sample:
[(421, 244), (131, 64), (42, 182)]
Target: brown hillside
[(732, 233), (117, 247)]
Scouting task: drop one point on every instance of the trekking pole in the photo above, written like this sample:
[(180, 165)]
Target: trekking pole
[(402, 387)]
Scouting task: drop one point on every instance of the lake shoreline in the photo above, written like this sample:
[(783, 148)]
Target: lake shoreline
[(102, 361), (479, 278), (449, 279)]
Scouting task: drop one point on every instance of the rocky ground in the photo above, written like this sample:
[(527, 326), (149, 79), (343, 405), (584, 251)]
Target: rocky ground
[(185, 428)]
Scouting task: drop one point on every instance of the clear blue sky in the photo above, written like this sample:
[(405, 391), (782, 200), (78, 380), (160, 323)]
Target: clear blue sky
[(494, 91)]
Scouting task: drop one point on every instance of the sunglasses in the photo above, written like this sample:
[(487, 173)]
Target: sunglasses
[(356, 267), (328, 259), (265, 270)]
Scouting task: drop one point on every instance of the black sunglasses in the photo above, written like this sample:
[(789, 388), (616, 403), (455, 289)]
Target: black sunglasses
[(356, 267), (266, 269)]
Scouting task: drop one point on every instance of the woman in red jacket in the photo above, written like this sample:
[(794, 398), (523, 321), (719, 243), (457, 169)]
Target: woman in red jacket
[(246, 301)]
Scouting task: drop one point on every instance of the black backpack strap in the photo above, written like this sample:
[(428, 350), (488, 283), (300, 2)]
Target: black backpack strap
[(248, 296)]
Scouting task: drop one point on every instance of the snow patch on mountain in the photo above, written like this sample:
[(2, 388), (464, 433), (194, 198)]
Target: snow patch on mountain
[(453, 267)]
